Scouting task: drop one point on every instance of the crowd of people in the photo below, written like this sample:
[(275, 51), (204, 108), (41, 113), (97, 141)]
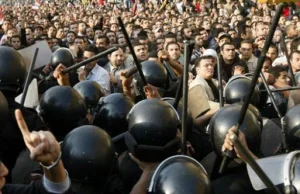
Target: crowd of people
[(120, 135)]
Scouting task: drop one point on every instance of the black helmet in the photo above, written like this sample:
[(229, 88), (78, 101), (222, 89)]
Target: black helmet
[(53, 49), (255, 111), (152, 130), (62, 55), (3, 111), (88, 155), (180, 175), (90, 91), (13, 70), (263, 95), (62, 109), (179, 112), (112, 112), (237, 89), (155, 74), (227, 117), (292, 124)]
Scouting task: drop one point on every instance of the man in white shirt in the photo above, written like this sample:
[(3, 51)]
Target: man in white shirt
[(94, 72)]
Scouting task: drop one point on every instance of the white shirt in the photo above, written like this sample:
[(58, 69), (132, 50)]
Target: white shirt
[(101, 76)]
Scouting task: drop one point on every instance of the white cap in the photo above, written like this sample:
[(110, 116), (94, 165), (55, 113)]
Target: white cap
[(280, 61), (210, 52), (277, 168)]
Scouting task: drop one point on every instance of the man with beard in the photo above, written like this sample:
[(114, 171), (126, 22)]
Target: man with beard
[(114, 67), (90, 35), (204, 36), (198, 49), (173, 49), (70, 39)]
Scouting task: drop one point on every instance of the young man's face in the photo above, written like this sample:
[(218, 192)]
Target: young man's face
[(228, 52), (272, 53), (174, 51), (206, 68), (295, 62), (246, 50), (266, 66), (16, 43), (283, 78), (141, 52)]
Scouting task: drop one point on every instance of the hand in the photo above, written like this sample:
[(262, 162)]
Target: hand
[(113, 78), (260, 41), (202, 50), (228, 145), (62, 78), (81, 74), (144, 166), (163, 55), (42, 145), (151, 92), (126, 82)]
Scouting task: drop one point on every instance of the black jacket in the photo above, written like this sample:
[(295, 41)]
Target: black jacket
[(11, 139)]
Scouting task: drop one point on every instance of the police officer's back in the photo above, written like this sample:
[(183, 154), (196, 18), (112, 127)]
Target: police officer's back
[(12, 75)]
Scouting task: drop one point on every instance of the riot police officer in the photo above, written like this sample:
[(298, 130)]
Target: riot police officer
[(12, 75)]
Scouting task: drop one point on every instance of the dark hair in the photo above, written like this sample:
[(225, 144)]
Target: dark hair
[(80, 37), (276, 70), (92, 48), (240, 63), (103, 37), (73, 23), (72, 33), (242, 29), (136, 42), (272, 45), (169, 35), (109, 31), (247, 41), (268, 59), (227, 43), (198, 61), (170, 43), (294, 52), (215, 32)]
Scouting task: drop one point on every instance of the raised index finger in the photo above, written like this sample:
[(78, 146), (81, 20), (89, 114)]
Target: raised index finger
[(22, 125)]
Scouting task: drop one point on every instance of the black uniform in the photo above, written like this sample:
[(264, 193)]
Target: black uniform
[(11, 139)]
